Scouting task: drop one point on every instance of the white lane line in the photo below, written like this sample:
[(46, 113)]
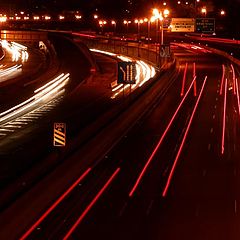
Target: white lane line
[(150, 207), (211, 131), (214, 116), (123, 209), (12, 126), (30, 117), (209, 146), (20, 122), (197, 210), (215, 106), (6, 130), (216, 98), (235, 206), (3, 134)]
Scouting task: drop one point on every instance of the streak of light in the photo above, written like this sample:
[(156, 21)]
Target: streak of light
[(195, 82), (183, 141), (224, 116), (159, 142), (9, 72), (184, 79), (46, 93), (237, 89), (233, 79), (91, 204), (52, 207), (223, 76), (18, 51), (144, 72)]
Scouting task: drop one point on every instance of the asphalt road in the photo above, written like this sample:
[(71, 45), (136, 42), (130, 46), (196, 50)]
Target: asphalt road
[(202, 201)]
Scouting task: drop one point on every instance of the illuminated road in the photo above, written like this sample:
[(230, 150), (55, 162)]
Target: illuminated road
[(175, 174)]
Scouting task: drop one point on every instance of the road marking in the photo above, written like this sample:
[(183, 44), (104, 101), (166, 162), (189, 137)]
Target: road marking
[(215, 106), (211, 131), (183, 141), (123, 209), (20, 122), (197, 210), (140, 176), (3, 134), (52, 207), (150, 207), (235, 206), (12, 126), (6, 130), (213, 116), (216, 98), (209, 146), (91, 204)]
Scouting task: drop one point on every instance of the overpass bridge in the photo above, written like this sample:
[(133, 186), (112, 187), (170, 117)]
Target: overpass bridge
[(30, 37)]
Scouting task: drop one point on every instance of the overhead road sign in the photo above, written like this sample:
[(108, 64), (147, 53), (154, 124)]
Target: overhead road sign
[(182, 25), (59, 135), (205, 25), (127, 72)]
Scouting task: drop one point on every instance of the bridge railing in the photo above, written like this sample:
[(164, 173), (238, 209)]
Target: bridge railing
[(147, 52)]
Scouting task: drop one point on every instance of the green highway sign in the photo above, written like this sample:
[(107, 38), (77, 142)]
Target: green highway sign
[(205, 25)]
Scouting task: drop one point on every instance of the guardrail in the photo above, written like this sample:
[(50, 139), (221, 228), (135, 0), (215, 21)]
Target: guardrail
[(149, 53)]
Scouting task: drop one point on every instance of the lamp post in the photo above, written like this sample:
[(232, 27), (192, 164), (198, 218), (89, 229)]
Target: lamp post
[(126, 22), (196, 2), (114, 25), (222, 13), (138, 28), (204, 11)]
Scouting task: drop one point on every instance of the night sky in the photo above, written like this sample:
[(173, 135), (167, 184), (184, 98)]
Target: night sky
[(111, 8)]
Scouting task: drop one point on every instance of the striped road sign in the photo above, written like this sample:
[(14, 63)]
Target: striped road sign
[(59, 135)]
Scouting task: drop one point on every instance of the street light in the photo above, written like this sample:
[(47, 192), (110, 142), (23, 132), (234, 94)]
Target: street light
[(160, 15), (102, 23), (114, 24), (204, 11), (138, 26), (126, 22), (223, 13)]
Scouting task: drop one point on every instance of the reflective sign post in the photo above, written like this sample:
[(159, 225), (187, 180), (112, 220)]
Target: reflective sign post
[(59, 135)]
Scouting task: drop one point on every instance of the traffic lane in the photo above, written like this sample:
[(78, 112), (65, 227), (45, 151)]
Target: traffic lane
[(132, 163), (202, 199), (17, 88), (82, 107), (141, 207), (60, 220), (79, 162)]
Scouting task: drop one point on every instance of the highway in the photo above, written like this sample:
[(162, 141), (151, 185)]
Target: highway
[(175, 174)]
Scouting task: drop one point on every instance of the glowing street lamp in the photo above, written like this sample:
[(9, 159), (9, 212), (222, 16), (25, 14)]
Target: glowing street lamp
[(126, 22), (204, 11), (160, 15), (114, 24), (78, 17), (222, 13), (95, 16)]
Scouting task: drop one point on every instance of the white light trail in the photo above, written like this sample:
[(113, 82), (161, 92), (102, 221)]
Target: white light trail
[(42, 95)]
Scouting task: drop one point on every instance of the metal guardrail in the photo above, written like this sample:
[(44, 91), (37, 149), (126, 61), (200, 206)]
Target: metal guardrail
[(149, 53)]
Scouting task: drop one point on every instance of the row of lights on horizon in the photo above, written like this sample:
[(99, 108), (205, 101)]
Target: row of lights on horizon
[(5, 18)]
